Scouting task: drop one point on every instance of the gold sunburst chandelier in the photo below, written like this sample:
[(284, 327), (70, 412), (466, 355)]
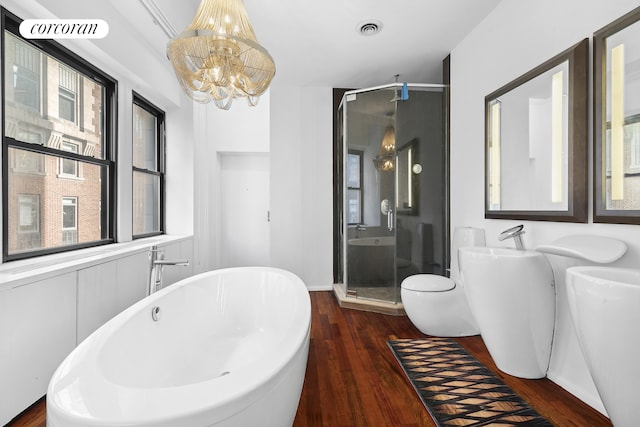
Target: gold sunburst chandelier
[(218, 58)]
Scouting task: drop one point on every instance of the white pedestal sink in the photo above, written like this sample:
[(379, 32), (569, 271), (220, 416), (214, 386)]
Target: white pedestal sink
[(512, 298), (604, 304)]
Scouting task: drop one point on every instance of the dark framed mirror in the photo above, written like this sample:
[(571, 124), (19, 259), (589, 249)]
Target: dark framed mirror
[(536, 142), (616, 121)]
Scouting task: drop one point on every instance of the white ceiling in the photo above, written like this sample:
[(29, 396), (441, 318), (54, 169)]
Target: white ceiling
[(317, 43)]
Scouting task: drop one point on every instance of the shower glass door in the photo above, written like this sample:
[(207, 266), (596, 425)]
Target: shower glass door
[(393, 164), (369, 221)]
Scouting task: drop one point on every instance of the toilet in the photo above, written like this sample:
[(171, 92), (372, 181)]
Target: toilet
[(437, 305)]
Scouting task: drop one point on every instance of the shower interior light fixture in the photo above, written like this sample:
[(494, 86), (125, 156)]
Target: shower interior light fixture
[(218, 58), (385, 160)]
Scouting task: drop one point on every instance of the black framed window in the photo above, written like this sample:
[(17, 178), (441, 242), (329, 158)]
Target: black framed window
[(354, 187), (58, 147), (148, 168)]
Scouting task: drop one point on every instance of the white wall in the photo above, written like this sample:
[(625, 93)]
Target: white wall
[(301, 183), (179, 176), (294, 126), (240, 130), (516, 37), (36, 336)]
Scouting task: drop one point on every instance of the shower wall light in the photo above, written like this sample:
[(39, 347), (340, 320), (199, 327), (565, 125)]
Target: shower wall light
[(557, 136), (617, 122), (494, 139), (218, 58)]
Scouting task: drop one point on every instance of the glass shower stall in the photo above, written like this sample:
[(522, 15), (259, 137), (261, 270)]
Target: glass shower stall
[(393, 166)]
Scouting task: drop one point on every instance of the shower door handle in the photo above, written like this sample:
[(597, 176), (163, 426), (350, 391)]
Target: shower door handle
[(385, 208)]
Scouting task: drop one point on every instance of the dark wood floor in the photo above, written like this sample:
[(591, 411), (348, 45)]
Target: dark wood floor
[(354, 380)]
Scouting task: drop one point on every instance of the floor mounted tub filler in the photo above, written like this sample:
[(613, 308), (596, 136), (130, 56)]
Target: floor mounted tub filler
[(224, 348)]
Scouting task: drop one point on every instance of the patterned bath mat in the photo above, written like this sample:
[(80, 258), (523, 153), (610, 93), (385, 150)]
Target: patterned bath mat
[(456, 389)]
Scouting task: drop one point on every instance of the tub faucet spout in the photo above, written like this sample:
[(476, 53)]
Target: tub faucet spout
[(182, 262), (157, 264)]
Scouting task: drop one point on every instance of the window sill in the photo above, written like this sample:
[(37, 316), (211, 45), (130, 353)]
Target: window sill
[(14, 274), (69, 177)]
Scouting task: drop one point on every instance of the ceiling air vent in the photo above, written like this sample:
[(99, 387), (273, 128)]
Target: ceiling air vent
[(369, 28)]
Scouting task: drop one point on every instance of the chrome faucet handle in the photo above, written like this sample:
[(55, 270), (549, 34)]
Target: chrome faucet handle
[(155, 253), (515, 233)]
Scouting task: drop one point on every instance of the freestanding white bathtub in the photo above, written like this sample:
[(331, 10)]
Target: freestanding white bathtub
[(228, 348)]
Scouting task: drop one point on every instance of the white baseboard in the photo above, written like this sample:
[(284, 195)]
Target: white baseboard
[(315, 288)]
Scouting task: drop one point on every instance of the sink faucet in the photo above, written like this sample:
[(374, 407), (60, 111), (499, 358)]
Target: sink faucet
[(515, 233), (157, 263)]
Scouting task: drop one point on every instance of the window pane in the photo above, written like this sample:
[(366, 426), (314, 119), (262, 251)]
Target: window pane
[(353, 207), (27, 162), (353, 170), (69, 220), (67, 106), (33, 77), (146, 203), (69, 167), (67, 212), (29, 213), (26, 87), (145, 139), (148, 172), (28, 221), (25, 76)]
